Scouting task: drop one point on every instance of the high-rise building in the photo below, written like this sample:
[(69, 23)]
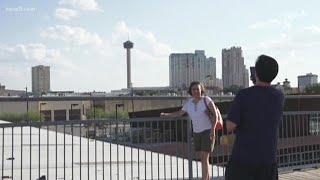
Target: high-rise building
[(40, 79), (234, 72), (2, 90), (307, 80), (246, 77), (187, 67)]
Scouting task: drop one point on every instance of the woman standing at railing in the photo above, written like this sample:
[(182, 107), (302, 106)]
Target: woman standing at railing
[(203, 127)]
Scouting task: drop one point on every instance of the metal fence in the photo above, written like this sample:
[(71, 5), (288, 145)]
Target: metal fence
[(139, 148)]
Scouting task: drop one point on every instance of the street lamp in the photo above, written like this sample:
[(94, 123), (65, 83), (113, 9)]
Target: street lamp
[(41, 104), (27, 99), (204, 80), (118, 105), (93, 105), (72, 105), (210, 77)]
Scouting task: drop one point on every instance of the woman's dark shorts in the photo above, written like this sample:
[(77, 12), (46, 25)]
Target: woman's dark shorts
[(202, 141)]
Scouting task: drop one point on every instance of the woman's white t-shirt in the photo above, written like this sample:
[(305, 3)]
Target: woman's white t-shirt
[(196, 112)]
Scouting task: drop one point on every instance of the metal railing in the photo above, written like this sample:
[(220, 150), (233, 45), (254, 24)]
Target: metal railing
[(139, 148)]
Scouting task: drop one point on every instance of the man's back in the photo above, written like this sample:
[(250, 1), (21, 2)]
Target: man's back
[(257, 111)]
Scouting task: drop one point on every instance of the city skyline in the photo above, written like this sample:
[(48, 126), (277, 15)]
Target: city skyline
[(82, 42)]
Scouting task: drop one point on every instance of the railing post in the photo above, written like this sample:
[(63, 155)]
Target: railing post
[(190, 153)]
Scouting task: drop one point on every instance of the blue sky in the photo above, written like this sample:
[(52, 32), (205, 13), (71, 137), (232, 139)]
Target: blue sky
[(82, 39)]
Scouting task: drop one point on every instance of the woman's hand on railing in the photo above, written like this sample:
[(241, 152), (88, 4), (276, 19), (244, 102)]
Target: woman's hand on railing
[(163, 114)]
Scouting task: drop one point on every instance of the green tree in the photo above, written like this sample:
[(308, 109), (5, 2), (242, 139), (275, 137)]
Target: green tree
[(313, 89), (234, 89), (97, 113), (11, 117), (34, 116), (19, 117), (101, 114), (121, 115)]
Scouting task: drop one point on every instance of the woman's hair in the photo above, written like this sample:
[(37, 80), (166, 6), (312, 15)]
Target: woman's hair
[(196, 83)]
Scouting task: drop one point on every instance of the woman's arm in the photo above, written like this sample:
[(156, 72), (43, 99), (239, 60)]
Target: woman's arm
[(173, 114)]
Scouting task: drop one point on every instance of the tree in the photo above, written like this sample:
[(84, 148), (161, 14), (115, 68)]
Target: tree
[(19, 117), (313, 89), (97, 113), (101, 114), (234, 89)]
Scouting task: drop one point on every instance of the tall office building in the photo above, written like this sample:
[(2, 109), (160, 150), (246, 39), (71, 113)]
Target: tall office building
[(306, 80), (234, 72), (187, 67), (40, 79), (2, 90)]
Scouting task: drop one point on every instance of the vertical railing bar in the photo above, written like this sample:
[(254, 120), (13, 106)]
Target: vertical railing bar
[(104, 135), (30, 152), (151, 127), (287, 144), (72, 150), (117, 134), (39, 159), (164, 141), (158, 133), (291, 136), (283, 140), (95, 150), (138, 124), (177, 159), (2, 154), (295, 138), (300, 139), (182, 139), (56, 168), (12, 147), (48, 152), (145, 152), (80, 145), (124, 148), (21, 152), (64, 151), (170, 127), (110, 155), (303, 137), (88, 149), (189, 142), (131, 162)]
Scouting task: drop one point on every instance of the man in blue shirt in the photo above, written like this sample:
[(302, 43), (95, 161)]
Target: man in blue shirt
[(255, 116)]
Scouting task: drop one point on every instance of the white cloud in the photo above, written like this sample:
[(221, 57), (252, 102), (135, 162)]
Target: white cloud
[(85, 5), (32, 52), (296, 15), (313, 29), (16, 62), (263, 24), (294, 47), (146, 41), (65, 14), (73, 35), (281, 21)]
